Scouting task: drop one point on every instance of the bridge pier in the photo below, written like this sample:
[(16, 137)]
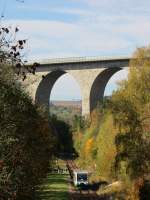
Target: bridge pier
[(85, 79)]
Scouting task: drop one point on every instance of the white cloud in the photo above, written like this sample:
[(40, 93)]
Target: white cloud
[(104, 37), (108, 27)]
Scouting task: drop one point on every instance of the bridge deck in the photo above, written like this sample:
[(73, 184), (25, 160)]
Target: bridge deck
[(80, 60)]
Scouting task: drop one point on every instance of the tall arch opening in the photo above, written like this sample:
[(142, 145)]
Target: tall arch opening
[(60, 93), (112, 84), (99, 85)]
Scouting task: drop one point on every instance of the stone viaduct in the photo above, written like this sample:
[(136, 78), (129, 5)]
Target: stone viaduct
[(91, 73)]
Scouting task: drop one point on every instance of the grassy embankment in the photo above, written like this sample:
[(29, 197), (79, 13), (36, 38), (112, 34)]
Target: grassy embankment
[(54, 187)]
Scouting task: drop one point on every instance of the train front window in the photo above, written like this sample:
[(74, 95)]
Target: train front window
[(81, 177)]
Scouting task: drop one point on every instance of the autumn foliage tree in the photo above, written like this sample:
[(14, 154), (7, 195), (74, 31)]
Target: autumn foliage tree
[(131, 111), (116, 146)]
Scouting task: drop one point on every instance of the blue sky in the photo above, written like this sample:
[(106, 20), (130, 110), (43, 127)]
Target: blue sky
[(64, 28)]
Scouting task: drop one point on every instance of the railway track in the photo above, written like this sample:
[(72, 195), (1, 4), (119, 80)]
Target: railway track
[(71, 164), (85, 195)]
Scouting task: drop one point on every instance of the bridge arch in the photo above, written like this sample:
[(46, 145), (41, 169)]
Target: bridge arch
[(43, 92), (99, 85)]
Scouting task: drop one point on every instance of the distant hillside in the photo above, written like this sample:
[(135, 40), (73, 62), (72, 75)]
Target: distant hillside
[(66, 110), (77, 104)]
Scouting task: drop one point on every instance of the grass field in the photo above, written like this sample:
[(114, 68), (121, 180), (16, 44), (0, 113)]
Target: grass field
[(54, 187)]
